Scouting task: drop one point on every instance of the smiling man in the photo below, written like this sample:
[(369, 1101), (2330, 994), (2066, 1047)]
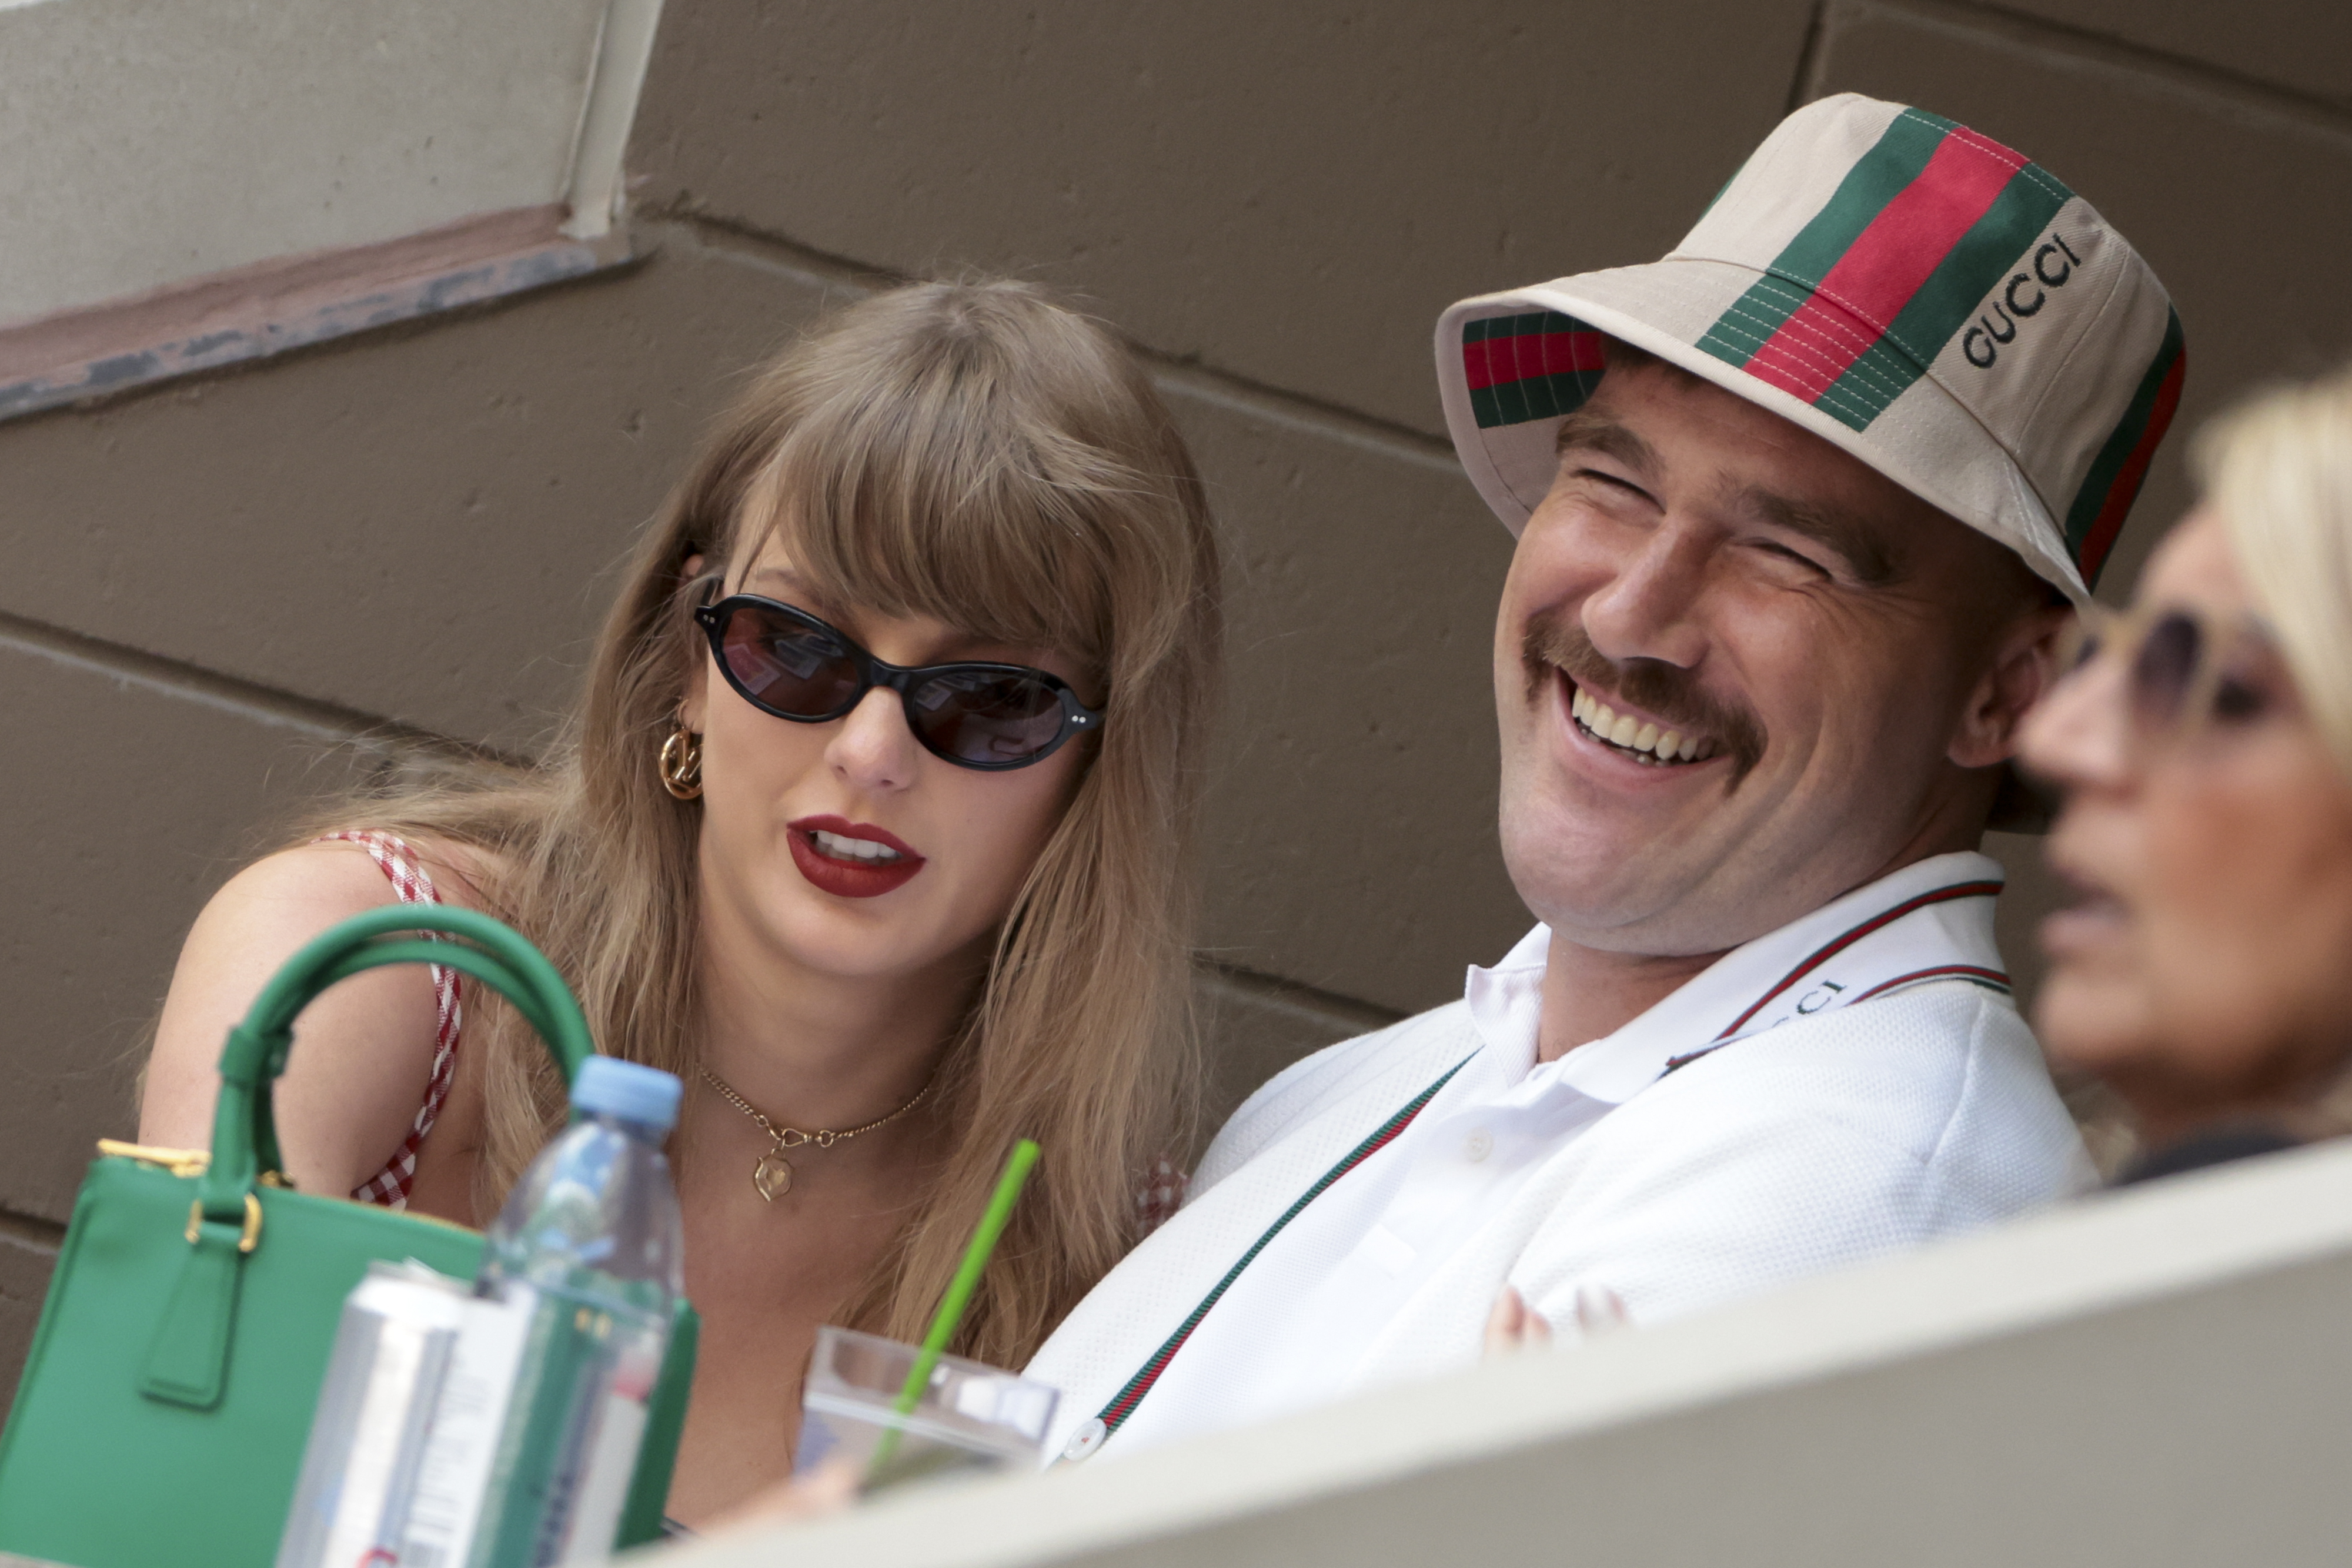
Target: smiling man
[(1801, 510)]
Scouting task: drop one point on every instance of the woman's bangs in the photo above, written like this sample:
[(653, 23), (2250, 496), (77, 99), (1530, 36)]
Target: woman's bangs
[(902, 506)]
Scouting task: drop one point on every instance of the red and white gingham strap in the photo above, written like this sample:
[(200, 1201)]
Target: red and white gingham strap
[(405, 872)]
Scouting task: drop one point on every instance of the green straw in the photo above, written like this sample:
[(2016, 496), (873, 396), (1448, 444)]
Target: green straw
[(1017, 1166)]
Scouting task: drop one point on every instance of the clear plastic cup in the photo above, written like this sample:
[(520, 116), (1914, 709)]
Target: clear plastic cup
[(970, 1419)]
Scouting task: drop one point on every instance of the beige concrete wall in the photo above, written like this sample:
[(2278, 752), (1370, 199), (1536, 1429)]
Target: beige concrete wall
[(415, 527)]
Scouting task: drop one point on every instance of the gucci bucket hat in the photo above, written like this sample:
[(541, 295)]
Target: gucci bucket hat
[(1917, 294)]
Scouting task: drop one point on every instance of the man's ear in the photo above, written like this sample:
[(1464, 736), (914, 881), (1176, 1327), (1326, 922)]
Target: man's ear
[(2022, 667)]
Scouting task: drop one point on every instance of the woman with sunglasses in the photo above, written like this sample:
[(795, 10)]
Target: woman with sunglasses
[(2204, 746), (872, 826)]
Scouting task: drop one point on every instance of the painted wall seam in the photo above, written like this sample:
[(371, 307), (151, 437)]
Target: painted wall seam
[(720, 240), (2263, 104)]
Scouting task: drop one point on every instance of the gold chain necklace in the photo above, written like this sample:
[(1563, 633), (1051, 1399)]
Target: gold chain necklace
[(772, 1176)]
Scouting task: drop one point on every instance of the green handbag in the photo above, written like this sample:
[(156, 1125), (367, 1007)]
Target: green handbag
[(162, 1413)]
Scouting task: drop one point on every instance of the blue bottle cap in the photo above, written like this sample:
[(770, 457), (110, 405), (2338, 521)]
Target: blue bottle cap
[(608, 1086)]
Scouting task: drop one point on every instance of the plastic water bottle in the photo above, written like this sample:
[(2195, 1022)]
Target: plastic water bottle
[(588, 1249)]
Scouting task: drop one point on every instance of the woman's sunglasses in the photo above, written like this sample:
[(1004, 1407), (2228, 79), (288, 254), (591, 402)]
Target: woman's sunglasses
[(2181, 668), (786, 662)]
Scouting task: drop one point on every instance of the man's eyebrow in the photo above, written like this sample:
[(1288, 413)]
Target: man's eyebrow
[(1585, 431), (1860, 545)]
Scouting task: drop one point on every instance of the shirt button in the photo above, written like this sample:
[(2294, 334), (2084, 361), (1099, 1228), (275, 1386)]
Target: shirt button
[(1478, 1145), (1085, 1440)]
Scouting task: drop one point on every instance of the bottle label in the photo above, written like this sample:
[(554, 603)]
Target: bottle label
[(561, 1476), (612, 1457)]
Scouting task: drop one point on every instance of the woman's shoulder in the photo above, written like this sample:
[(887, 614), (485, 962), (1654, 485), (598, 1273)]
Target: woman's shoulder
[(411, 865), (261, 915), (266, 912), (366, 1047), (292, 892)]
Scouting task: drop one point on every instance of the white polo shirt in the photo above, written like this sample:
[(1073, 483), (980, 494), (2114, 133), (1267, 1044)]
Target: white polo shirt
[(1852, 1084)]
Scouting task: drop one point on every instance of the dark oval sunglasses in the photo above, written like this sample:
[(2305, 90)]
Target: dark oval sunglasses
[(784, 660)]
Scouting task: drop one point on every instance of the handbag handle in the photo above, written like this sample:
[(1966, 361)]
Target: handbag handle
[(244, 1133)]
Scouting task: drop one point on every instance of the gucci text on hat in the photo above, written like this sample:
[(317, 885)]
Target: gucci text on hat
[(1919, 295)]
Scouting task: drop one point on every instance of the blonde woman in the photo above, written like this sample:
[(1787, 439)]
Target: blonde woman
[(872, 826), (2204, 743)]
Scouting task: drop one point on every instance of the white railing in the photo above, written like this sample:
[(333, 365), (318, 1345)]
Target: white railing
[(2158, 1376)]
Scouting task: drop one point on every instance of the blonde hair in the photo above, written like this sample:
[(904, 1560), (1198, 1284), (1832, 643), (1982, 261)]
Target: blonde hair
[(2278, 470), (980, 454)]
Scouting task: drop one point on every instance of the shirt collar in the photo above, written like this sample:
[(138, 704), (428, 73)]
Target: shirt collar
[(1506, 1004), (1506, 1000)]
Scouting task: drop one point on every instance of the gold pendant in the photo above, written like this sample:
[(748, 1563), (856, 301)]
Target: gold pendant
[(774, 1175)]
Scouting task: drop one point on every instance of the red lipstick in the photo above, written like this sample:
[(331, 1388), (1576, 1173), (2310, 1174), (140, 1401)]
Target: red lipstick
[(845, 877)]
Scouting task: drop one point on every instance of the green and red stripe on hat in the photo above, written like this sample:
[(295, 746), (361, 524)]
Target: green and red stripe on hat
[(1911, 290)]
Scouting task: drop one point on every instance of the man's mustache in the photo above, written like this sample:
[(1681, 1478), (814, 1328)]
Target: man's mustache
[(1555, 640)]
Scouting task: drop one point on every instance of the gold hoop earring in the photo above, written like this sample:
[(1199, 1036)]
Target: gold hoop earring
[(681, 763)]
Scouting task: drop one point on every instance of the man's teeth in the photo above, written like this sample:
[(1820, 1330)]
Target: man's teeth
[(1634, 734), (842, 848)]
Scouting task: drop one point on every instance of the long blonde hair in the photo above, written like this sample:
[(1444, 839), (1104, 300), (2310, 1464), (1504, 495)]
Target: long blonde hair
[(976, 454), (2278, 469)]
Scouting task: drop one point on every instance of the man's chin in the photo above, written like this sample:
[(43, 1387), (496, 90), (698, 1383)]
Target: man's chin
[(1637, 815), (1600, 892), (1620, 879)]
